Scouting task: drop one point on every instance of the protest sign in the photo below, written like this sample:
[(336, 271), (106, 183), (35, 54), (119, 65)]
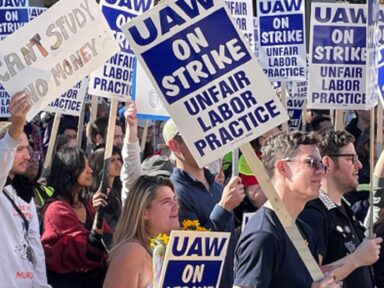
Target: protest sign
[(12, 18), (337, 69), (194, 259), (115, 78), (380, 32), (282, 48), (71, 102), (296, 101), (208, 80), (242, 13), (13, 15), (34, 12), (148, 103), (53, 52), (380, 78)]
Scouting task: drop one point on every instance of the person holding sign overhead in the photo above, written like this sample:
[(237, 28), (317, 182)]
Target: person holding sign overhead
[(150, 209), (265, 256), (201, 198), (21, 254)]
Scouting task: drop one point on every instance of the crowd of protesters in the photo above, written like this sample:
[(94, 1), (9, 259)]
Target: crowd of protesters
[(51, 230)]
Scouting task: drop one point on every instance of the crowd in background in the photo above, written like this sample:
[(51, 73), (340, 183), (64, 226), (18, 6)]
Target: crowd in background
[(52, 234)]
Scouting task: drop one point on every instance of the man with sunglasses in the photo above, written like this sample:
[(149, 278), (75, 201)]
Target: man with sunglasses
[(339, 233), (265, 256)]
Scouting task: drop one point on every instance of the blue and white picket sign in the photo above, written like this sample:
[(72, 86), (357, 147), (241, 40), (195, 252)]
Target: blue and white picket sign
[(12, 19), (115, 79), (194, 259), (71, 102), (148, 103), (380, 35), (242, 12), (206, 75), (34, 12), (337, 61), (282, 45), (297, 91), (380, 73)]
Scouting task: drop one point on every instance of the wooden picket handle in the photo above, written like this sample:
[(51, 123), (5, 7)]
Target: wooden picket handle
[(52, 141), (80, 125), (281, 212), (107, 156), (284, 102), (144, 136), (339, 120), (371, 169), (379, 139)]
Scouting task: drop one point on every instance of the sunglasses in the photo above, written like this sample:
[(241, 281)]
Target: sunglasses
[(354, 158), (314, 163)]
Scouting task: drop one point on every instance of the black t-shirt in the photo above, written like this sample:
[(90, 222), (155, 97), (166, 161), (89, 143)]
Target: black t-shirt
[(265, 257), (338, 234)]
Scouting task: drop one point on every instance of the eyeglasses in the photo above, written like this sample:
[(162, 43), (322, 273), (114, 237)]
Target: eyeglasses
[(354, 158), (314, 163)]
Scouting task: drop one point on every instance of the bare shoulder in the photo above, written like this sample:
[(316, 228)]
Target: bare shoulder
[(130, 266), (130, 252)]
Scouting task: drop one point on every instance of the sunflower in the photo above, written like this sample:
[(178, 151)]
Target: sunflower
[(193, 225)]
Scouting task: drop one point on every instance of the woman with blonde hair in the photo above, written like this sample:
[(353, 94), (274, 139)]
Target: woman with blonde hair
[(150, 209)]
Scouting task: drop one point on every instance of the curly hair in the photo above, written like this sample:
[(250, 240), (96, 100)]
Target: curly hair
[(282, 145), (331, 141)]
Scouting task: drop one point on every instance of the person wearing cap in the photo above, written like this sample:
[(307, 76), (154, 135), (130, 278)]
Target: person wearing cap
[(157, 165), (255, 196), (21, 253), (339, 234), (200, 197)]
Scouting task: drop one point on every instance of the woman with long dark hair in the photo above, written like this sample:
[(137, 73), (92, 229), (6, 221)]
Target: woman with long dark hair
[(96, 161), (73, 244)]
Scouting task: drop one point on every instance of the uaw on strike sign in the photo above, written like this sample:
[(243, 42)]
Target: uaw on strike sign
[(209, 80)]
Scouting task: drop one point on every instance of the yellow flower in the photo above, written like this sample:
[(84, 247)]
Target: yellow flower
[(161, 239), (193, 225)]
